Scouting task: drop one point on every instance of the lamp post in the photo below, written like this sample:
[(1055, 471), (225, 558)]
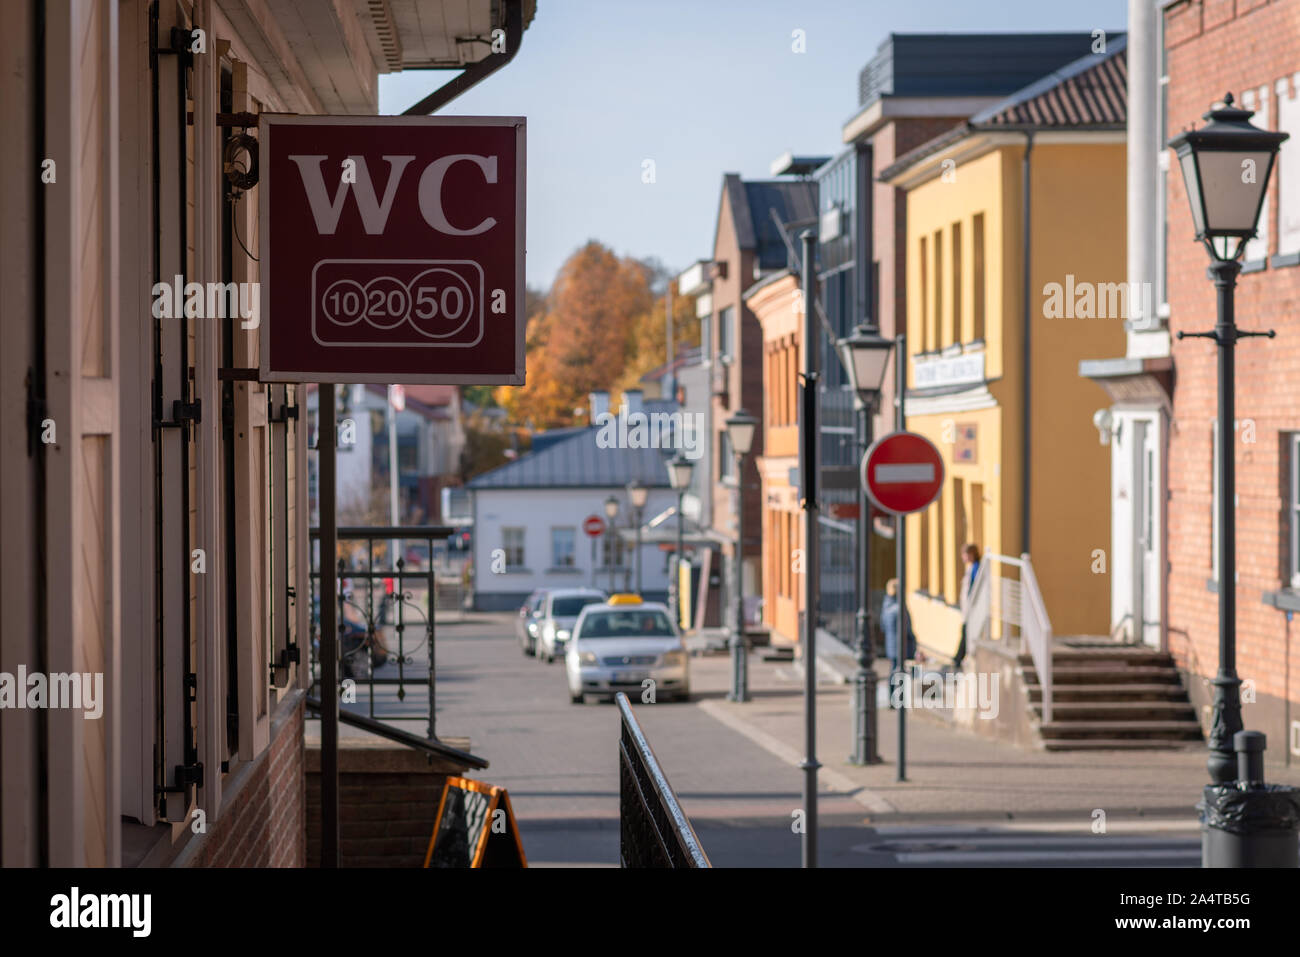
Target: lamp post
[(865, 357), (611, 512), (679, 477), (1226, 165), (740, 435), (637, 494)]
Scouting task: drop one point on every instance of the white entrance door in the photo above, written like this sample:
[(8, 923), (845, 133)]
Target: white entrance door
[(1148, 533)]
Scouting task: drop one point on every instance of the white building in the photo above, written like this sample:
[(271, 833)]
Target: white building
[(529, 514), (1140, 384)]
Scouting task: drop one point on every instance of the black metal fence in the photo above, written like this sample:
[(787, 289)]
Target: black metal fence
[(654, 831), (386, 619)]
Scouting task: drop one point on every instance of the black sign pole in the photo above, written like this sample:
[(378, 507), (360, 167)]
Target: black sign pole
[(900, 568), (329, 644)]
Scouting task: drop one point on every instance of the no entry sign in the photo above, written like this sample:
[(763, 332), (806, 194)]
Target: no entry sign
[(593, 525), (392, 249), (902, 472)]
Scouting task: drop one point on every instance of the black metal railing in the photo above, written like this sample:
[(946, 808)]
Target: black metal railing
[(654, 831), (379, 608)]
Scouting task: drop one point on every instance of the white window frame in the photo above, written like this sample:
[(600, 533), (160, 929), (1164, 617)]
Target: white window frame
[(1293, 511), (506, 546), (573, 546)]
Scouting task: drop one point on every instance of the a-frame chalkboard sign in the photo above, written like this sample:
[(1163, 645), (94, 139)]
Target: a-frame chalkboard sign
[(475, 827)]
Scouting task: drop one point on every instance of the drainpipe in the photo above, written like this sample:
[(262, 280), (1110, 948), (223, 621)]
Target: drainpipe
[(1025, 420), (477, 72)]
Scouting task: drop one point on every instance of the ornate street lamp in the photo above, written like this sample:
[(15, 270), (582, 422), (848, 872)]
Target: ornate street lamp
[(1226, 165), (637, 494), (865, 357), (679, 477), (740, 435), (611, 512)]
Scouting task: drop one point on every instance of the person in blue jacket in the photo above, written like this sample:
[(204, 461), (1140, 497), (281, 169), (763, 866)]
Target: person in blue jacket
[(889, 622)]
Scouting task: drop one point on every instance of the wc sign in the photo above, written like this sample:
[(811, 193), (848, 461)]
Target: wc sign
[(392, 249)]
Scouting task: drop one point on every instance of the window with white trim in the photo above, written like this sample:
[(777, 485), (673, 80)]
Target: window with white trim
[(562, 546), (512, 543), (1288, 166), (1292, 576), (1257, 100)]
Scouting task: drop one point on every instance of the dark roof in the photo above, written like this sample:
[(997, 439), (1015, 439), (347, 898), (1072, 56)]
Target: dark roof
[(1089, 94), (1091, 91), (578, 461), (752, 203), (966, 64)]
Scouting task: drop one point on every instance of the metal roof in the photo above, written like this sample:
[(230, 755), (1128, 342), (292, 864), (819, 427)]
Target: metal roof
[(1089, 94), (751, 205), (965, 64), (578, 461), (1091, 91)]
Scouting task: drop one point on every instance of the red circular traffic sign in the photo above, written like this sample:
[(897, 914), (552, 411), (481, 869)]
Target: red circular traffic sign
[(593, 525), (902, 472)]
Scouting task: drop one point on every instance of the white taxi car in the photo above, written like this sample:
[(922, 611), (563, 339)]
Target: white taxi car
[(623, 643)]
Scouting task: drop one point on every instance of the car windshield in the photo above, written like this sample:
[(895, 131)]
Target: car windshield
[(632, 623), (571, 606)]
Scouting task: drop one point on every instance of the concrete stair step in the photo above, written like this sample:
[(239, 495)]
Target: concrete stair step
[(1121, 674), (1116, 744), (1107, 692), (1185, 730), (1105, 658), (1143, 711)]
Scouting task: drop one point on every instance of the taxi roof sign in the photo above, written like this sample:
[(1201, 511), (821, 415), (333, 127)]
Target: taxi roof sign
[(625, 599)]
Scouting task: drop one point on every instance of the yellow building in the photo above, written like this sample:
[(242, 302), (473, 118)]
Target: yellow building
[(1016, 271), (776, 302)]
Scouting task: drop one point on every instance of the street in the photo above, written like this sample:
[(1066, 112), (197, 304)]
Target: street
[(737, 783)]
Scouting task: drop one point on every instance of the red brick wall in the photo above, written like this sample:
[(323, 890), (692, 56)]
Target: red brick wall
[(262, 823), (1216, 46), (388, 799)]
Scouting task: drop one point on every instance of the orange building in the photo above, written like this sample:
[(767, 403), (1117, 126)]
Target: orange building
[(776, 301)]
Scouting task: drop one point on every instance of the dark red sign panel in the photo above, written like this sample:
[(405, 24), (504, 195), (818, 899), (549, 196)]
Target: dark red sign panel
[(392, 249), (593, 525), (902, 472)]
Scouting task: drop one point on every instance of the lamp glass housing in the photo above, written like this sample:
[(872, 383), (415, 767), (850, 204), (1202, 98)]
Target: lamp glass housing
[(611, 507), (1226, 165), (865, 357), (740, 432), (637, 495), (679, 473)]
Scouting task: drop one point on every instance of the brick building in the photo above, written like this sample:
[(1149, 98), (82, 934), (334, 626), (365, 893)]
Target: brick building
[(1253, 50), (154, 512)]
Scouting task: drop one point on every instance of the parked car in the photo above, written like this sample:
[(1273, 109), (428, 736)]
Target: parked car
[(559, 612), (527, 620), (617, 647)]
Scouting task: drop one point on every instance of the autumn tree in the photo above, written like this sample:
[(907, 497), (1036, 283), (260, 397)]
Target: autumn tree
[(649, 337), (583, 340)]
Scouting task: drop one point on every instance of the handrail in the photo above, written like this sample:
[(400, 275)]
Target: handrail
[(399, 736), (1039, 638), (654, 831), (1033, 621)]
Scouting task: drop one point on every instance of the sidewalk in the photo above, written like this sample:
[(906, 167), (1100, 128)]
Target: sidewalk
[(952, 774)]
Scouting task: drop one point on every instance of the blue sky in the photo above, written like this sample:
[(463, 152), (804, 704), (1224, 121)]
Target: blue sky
[(701, 88)]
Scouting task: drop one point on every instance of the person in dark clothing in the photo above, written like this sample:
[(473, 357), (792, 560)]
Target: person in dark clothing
[(970, 555), (889, 623)]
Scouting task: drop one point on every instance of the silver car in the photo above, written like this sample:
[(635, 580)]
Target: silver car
[(527, 620), (559, 611), (631, 647)]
